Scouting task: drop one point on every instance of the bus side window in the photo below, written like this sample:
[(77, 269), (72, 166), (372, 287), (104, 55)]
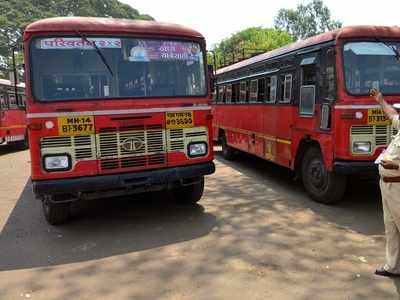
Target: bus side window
[(3, 102), (220, 93), (308, 87), (273, 88), (12, 102), (21, 101), (261, 90), (224, 93), (286, 88), (235, 92), (243, 91), (328, 80), (228, 93), (253, 90)]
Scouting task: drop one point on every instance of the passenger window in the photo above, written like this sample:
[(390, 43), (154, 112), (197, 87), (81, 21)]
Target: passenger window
[(309, 75), (243, 91), (272, 94), (261, 90), (221, 93), (235, 92), (3, 102), (229, 93), (253, 90), (287, 91), (12, 102)]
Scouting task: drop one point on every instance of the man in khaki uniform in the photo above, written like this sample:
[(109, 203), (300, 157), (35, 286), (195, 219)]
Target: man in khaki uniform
[(389, 170)]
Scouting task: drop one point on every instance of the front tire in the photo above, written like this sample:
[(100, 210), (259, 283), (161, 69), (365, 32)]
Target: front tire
[(322, 186), (189, 194), (55, 213)]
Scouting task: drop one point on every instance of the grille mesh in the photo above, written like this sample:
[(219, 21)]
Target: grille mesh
[(131, 146)]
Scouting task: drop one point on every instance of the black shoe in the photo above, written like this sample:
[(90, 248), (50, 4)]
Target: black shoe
[(382, 272)]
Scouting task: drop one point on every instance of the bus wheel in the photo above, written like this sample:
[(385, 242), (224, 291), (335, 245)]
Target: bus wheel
[(55, 213), (322, 186), (227, 152), (189, 194)]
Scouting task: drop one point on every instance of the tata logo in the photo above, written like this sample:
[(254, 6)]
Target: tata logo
[(132, 144)]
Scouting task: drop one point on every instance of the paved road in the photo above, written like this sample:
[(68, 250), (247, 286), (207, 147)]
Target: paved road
[(255, 235)]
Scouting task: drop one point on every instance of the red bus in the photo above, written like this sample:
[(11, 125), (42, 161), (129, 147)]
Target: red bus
[(12, 114), (116, 107), (307, 106)]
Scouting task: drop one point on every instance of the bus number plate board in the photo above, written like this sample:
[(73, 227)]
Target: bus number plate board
[(376, 116), (81, 125), (182, 119)]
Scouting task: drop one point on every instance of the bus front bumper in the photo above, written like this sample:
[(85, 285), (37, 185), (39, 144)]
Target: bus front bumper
[(120, 184), (344, 167)]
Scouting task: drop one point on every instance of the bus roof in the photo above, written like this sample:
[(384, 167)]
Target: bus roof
[(342, 33), (8, 82), (109, 25)]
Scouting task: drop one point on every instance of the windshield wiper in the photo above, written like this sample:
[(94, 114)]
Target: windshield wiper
[(98, 51), (393, 48)]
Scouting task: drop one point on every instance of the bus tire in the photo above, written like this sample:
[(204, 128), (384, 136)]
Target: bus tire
[(227, 151), (55, 213), (321, 185), (189, 194)]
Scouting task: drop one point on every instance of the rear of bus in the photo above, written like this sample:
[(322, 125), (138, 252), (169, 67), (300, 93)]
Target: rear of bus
[(368, 57), (116, 107)]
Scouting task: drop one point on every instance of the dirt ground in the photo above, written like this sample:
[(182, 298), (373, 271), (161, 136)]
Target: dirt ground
[(254, 235)]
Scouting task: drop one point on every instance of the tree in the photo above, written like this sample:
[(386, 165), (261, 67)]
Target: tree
[(246, 43), (307, 20), (15, 15)]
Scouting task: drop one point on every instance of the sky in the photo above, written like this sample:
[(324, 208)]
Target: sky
[(218, 19)]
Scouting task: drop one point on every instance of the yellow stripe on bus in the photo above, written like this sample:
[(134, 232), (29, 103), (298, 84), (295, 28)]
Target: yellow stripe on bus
[(266, 137)]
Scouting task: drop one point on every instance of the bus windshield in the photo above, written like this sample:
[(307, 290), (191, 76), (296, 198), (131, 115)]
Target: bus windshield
[(72, 68), (371, 64)]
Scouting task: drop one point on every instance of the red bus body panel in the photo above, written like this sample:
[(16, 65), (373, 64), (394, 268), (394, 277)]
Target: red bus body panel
[(275, 131), (111, 113)]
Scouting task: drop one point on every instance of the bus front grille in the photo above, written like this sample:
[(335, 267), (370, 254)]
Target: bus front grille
[(377, 135), (130, 147)]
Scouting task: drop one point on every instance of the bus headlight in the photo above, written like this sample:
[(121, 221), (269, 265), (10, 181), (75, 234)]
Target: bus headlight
[(57, 162), (361, 147), (197, 149)]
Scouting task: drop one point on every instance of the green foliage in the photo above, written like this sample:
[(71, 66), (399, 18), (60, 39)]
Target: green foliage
[(15, 15), (306, 20), (246, 43)]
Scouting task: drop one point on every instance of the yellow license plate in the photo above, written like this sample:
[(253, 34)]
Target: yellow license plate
[(376, 116), (178, 119), (82, 125)]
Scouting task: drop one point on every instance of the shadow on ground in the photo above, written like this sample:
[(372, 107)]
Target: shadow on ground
[(360, 210), (99, 229)]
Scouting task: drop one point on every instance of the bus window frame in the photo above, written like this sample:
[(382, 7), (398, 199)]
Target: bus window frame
[(273, 89), (283, 98), (199, 41), (228, 93), (3, 102), (243, 99), (307, 115), (10, 104), (253, 95)]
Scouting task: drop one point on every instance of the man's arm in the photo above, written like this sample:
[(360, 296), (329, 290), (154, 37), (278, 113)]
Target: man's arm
[(389, 110)]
